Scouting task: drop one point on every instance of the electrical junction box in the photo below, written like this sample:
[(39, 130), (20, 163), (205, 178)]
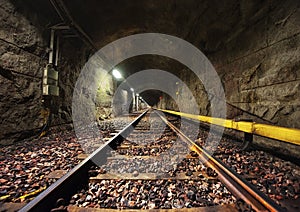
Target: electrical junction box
[(50, 82)]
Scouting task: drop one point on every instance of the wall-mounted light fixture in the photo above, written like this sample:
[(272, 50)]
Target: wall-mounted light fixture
[(117, 74)]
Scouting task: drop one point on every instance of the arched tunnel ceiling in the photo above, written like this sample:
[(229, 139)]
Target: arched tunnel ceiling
[(144, 62), (207, 24)]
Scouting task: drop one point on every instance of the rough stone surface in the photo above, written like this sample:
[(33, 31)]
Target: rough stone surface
[(73, 57), (21, 62), (259, 68), (24, 38), (264, 67)]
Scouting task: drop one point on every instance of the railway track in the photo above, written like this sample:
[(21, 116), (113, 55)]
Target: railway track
[(151, 164)]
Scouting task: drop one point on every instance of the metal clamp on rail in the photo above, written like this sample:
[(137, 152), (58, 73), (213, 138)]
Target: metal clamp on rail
[(289, 135)]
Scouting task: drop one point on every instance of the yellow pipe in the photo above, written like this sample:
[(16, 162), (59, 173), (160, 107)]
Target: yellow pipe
[(4, 197), (22, 198), (290, 135)]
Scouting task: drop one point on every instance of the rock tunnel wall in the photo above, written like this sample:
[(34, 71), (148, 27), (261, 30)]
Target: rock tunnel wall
[(260, 70), (24, 41), (22, 58)]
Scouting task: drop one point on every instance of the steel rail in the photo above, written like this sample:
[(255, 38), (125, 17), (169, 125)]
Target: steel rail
[(76, 178), (236, 184)]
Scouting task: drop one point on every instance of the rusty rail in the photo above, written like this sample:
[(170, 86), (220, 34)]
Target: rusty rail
[(78, 177), (237, 185)]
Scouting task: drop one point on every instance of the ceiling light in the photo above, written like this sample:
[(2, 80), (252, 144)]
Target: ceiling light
[(117, 74)]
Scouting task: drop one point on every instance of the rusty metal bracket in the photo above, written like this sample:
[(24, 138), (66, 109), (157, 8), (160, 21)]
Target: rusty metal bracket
[(248, 137), (247, 142)]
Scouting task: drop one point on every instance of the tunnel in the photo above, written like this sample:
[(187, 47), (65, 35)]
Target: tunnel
[(236, 60)]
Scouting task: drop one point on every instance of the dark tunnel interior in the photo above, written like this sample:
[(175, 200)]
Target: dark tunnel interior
[(92, 66)]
